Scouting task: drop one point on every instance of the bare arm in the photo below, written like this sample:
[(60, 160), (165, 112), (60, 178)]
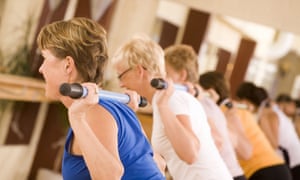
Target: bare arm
[(95, 134), (215, 134), (179, 132), (178, 128), (269, 123), (241, 143), (134, 99), (297, 124)]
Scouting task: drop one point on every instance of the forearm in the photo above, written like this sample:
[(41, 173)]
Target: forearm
[(243, 148), (271, 136), (97, 158), (216, 135), (297, 125), (242, 145), (269, 124)]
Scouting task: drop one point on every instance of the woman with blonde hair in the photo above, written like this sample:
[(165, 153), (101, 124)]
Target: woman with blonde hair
[(105, 140), (182, 66), (180, 132)]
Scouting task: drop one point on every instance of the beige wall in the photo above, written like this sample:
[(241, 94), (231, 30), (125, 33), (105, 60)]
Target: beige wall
[(15, 16), (281, 14), (2, 2), (131, 17)]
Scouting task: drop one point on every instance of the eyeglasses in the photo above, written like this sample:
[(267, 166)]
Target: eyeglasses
[(124, 72)]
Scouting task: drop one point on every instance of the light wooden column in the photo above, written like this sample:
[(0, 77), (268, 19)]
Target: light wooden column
[(131, 17)]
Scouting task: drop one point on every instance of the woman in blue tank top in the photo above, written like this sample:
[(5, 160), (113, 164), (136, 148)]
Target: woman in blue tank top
[(105, 140)]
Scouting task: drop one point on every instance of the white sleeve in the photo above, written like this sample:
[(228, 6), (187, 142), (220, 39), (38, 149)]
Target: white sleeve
[(179, 103)]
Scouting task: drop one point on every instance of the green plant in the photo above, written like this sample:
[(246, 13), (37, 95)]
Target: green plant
[(17, 63)]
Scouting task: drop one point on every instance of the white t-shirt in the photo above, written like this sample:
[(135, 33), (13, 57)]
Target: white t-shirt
[(209, 165), (227, 151), (288, 138)]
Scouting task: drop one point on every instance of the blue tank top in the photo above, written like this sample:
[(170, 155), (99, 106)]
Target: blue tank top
[(134, 149)]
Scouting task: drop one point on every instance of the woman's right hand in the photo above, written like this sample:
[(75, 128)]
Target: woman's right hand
[(163, 95), (79, 106)]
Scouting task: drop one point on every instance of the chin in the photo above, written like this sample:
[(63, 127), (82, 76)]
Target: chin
[(51, 96)]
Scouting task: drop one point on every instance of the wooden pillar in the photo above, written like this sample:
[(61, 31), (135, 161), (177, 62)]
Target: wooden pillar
[(168, 34), (22, 109), (223, 60), (106, 18), (54, 129), (244, 55), (22, 123), (195, 28), (47, 17), (49, 149), (83, 9)]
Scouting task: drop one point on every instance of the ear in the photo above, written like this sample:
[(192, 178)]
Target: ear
[(69, 65), (183, 75), (140, 69), (213, 94)]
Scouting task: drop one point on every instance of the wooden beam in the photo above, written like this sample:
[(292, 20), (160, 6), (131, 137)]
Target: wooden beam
[(19, 88)]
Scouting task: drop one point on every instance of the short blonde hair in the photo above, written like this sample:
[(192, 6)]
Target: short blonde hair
[(183, 57), (81, 38), (141, 50)]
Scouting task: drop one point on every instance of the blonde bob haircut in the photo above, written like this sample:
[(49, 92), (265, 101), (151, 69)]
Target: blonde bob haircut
[(183, 57), (141, 50)]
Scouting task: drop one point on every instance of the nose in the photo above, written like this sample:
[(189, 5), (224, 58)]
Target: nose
[(121, 84), (41, 68)]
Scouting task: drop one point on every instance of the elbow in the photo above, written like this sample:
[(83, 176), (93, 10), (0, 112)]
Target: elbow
[(249, 153), (119, 171), (116, 174), (246, 154), (194, 154), (190, 158), (190, 153)]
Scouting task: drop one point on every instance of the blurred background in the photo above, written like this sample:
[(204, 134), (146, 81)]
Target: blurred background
[(255, 40)]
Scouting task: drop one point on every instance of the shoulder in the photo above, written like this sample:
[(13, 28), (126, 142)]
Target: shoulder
[(182, 97), (98, 114), (269, 113)]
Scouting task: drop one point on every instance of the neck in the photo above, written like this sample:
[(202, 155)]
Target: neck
[(148, 93), (66, 101)]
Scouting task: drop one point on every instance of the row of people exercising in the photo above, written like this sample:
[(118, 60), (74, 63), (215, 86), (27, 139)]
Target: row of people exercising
[(105, 139)]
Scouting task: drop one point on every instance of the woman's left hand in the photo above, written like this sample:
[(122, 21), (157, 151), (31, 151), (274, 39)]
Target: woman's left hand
[(134, 99)]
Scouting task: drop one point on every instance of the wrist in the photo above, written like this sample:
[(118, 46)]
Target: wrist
[(78, 116)]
